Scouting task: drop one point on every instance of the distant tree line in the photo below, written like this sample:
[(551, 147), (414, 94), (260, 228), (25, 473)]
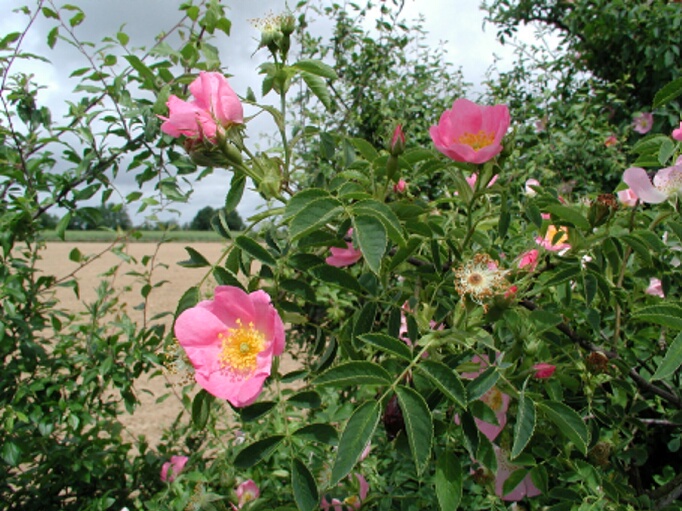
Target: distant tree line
[(115, 216)]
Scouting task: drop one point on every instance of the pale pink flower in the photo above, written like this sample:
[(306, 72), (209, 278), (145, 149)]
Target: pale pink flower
[(677, 133), (529, 259), (170, 469), (344, 256), (528, 187), (335, 505), (655, 288), (551, 241), (246, 492), (471, 133), (541, 124), (400, 186), (543, 370), (355, 501), (497, 401), (667, 183), (505, 468), (230, 341), (215, 107), (627, 197), (610, 141), (474, 177), (643, 122)]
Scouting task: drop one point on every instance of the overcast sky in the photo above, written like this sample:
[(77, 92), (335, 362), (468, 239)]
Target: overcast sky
[(458, 24)]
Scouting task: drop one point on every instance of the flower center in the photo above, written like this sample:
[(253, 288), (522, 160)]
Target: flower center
[(672, 184), (477, 140), (551, 233), (475, 279), (493, 398), (240, 348)]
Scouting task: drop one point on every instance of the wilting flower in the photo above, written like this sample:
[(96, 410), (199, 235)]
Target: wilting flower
[(344, 256), (627, 197), (471, 133), (667, 183), (505, 468), (170, 469), (352, 502), (655, 288), (643, 122), (230, 341), (543, 370), (400, 186), (215, 107), (397, 146), (555, 239), (480, 278), (610, 141), (247, 492), (528, 187), (677, 133), (529, 259), (497, 400)]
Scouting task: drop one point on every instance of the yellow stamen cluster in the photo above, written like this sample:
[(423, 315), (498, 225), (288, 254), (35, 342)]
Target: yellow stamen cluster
[(176, 363), (551, 235), (240, 349), (477, 140), (493, 398)]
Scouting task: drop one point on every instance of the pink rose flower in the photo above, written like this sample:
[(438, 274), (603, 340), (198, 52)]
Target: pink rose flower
[(505, 468), (344, 256), (215, 107), (643, 122), (667, 183), (655, 288), (628, 197), (677, 133), (544, 370), (497, 401), (471, 133), (610, 141), (553, 242), (247, 492), (529, 259), (170, 469), (230, 341)]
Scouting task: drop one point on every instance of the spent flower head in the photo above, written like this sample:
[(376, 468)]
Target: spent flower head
[(480, 279)]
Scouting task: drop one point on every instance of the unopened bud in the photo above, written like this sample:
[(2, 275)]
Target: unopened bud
[(601, 209), (287, 24), (397, 146), (400, 186)]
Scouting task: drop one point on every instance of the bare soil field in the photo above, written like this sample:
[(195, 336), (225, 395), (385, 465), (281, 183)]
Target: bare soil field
[(150, 418)]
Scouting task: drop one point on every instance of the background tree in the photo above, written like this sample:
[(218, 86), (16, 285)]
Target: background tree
[(202, 220), (112, 216)]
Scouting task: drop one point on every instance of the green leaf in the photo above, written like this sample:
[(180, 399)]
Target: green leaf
[(234, 196), (665, 315), (305, 399), (49, 13), (252, 248), (445, 379), (483, 383), (318, 87), (418, 425), (357, 433), (302, 199), (201, 408), (372, 240), (225, 277), (140, 67), (257, 451), (388, 344), (568, 422), (322, 433), (338, 276), (569, 215), (11, 454), (256, 410), (189, 299), (448, 481), (666, 151), (638, 246), (525, 423), (671, 361), (354, 373), (544, 320), (52, 37), (385, 215), (316, 67), (196, 260), (668, 93), (563, 275), (514, 480), (305, 490), (365, 149), (314, 215)]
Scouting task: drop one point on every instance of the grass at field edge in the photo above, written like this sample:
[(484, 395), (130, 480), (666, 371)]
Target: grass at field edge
[(133, 236)]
